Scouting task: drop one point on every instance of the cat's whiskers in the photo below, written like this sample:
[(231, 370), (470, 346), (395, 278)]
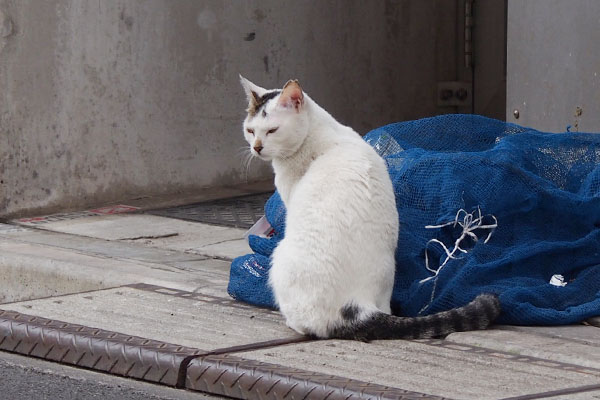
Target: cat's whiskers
[(246, 156), (248, 160), (242, 151)]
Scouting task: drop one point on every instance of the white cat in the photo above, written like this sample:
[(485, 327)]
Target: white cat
[(333, 273)]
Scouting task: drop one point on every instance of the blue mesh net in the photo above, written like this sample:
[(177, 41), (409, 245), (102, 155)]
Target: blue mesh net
[(543, 190)]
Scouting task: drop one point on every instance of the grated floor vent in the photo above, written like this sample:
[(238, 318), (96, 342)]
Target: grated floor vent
[(239, 212)]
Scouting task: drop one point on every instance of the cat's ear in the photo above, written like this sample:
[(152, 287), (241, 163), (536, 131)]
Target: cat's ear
[(253, 92), (291, 95)]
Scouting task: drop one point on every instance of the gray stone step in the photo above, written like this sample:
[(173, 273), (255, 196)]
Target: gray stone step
[(579, 345), (158, 232), (37, 263), (169, 315)]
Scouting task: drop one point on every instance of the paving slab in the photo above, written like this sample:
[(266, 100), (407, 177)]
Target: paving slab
[(587, 335), (595, 321), (159, 232), (31, 271), (534, 342), (164, 314), (428, 367), (40, 267), (587, 395), (100, 247), (113, 249)]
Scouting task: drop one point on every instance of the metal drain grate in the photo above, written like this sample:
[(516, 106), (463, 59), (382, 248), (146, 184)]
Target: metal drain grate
[(239, 212)]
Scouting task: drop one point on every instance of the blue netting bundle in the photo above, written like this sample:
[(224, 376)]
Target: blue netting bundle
[(542, 190)]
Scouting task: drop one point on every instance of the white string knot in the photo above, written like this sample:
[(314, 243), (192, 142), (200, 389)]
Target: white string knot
[(468, 224)]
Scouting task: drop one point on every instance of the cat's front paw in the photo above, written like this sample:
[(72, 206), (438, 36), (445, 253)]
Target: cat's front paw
[(297, 328)]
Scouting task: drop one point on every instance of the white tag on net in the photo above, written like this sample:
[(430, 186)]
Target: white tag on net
[(260, 228), (558, 280)]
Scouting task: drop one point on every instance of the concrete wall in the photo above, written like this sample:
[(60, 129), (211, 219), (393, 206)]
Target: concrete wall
[(489, 53), (101, 101), (553, 77)]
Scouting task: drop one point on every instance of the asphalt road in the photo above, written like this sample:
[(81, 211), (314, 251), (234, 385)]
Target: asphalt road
[(33, 379)]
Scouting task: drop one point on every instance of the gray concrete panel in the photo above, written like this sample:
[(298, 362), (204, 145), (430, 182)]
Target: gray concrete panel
[(553, 70), (104, 101), (489, 58)]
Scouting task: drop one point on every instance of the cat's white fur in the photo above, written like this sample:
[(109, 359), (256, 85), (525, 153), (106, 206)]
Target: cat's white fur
[(342, 223)]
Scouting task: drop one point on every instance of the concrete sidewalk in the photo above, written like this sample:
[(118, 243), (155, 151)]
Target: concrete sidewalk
[(145, 296)]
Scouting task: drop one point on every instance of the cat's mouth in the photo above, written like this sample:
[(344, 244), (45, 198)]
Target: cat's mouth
[(260, 155), (263, 157)]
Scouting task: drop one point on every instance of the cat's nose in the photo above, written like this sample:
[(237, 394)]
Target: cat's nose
[(258, 148)]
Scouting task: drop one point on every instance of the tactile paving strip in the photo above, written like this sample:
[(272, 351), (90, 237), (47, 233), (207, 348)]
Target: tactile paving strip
[(247, 379), (239, 212), (97, 349), (109, 210)]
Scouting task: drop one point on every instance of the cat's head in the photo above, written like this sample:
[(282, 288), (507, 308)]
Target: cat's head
[(277, 122)]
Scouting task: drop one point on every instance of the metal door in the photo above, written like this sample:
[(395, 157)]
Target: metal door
[(553, 64)]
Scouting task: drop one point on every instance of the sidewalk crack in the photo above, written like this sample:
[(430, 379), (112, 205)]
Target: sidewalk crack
[(166, 235)]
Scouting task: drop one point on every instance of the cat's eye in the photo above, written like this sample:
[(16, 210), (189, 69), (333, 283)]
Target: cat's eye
[(272, 130), (251, 131)]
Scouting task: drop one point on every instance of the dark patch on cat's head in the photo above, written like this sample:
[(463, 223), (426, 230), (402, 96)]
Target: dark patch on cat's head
[(350, 312), (257, 103)]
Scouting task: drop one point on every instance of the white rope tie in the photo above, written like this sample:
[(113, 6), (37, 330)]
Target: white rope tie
[(468, 224)]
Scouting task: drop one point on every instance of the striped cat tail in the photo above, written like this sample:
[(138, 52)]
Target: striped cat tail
[(476, 315)]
